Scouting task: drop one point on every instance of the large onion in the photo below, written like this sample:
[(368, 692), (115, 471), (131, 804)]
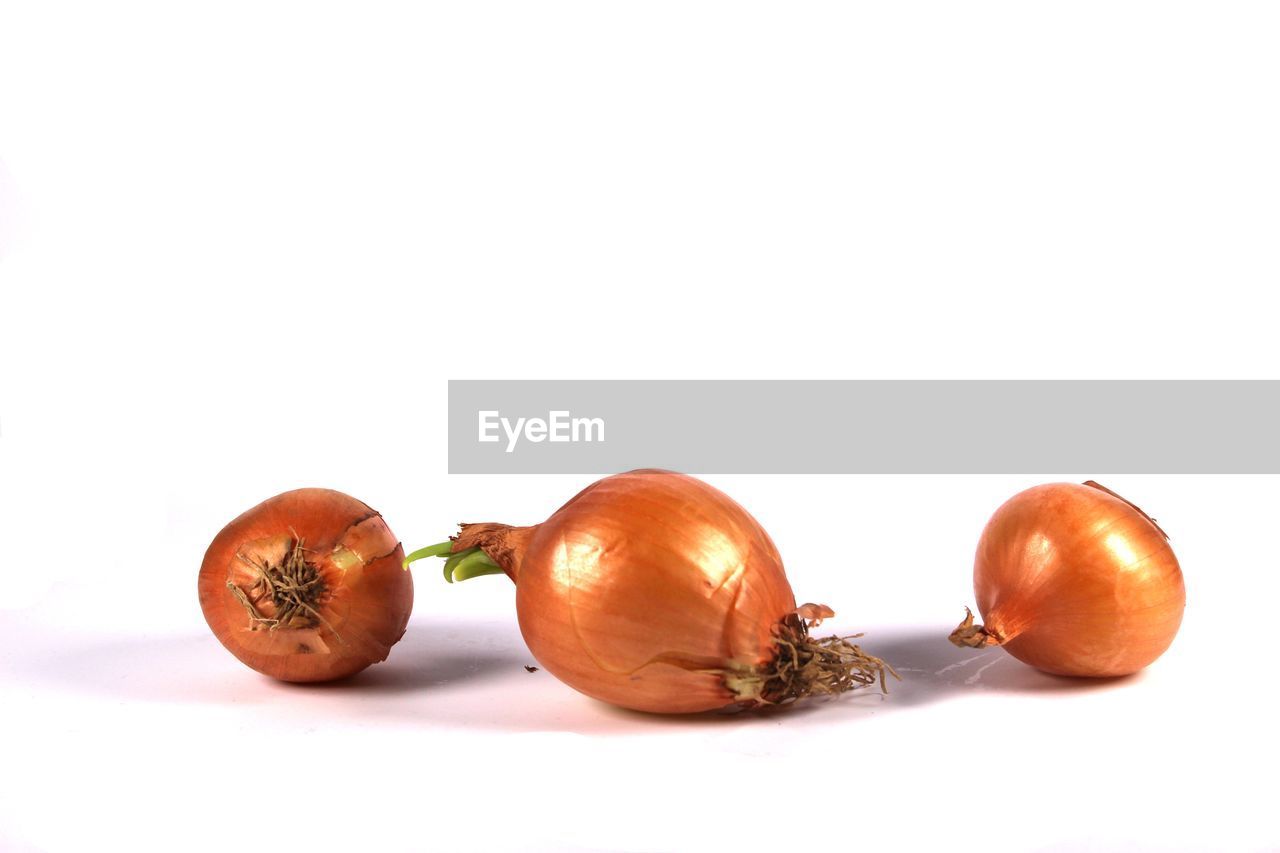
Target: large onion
[(307, 586), (654, 591), (1075, 580)]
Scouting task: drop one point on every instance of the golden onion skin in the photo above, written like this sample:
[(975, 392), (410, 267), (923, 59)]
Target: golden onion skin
[(1074, 580), (646, 588), (367, 595)]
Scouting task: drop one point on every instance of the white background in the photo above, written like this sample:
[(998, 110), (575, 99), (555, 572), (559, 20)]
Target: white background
[(243, 246)]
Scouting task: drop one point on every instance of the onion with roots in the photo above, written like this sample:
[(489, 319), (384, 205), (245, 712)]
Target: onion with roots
[(654, 591), (307, 586), (1075, 580)]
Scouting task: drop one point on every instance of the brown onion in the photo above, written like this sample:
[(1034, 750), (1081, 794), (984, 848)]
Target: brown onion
[(654, 591), (1075, 580), (307, 586)]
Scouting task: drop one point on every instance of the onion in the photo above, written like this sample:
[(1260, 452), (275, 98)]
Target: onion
[(654, 591), (1075, 580), (306, 586)]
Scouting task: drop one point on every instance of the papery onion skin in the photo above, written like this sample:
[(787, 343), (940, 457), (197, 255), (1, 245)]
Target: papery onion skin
[(364, 596), (645, 590), (1075, 580)]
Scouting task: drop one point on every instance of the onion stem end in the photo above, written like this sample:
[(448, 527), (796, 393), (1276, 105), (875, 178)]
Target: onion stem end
[(969, 635)]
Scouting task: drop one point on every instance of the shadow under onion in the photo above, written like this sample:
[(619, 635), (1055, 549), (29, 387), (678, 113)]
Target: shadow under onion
[(933, 669)]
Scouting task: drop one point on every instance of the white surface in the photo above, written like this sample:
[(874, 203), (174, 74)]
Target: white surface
[(118, 700), (245, 247)]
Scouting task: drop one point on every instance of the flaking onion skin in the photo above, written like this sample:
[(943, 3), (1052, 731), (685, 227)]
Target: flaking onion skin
[(366, 599), (1075, 580), (645, 590)]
